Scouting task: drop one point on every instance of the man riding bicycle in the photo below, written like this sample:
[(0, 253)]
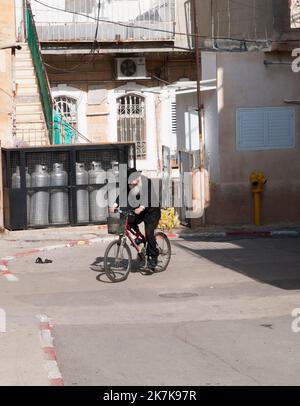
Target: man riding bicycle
[(143, 200)]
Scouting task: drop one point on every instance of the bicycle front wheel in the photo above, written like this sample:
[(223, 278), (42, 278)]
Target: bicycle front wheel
[(164, 251), (117, 261)]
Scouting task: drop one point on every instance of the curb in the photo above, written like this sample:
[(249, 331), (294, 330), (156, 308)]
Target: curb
[(10, 277), (4, 271), (47, 339), (240, 234)]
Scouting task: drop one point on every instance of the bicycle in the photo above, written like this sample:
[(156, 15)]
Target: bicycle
[(118, 255)]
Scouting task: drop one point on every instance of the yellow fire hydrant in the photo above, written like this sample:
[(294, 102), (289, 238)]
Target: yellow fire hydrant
[(258, 180)]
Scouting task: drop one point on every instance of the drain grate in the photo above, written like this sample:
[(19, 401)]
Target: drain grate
[(178, 295)]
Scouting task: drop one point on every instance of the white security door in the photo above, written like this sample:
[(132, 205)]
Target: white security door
[(192, 142)]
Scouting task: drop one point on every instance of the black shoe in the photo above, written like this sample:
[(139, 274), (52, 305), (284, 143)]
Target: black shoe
[(152, 264)]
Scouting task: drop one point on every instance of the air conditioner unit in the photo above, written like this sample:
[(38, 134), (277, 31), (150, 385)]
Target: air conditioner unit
[(131, 68)]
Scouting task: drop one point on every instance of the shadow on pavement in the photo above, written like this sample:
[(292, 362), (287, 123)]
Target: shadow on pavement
[(269, 261), (137, 267)]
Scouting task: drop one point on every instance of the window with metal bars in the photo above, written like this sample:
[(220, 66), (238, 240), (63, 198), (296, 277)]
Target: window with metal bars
[(67, 108), (131, 123), (174, 117), (295, 13)]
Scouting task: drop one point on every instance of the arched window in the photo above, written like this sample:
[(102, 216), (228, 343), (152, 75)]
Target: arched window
[(131, 122), (67, 108)]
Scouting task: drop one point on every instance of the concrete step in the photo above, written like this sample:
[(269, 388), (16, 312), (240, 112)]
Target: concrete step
[(25, 57), (28, 85), (28, 117), (28, 108), (24, 50), (26, 81), (32, 99), (37, 125), (25, 72), (25, 90), (24, 64)]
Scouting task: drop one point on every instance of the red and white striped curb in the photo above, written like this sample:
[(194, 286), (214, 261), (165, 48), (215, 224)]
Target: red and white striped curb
[(4, 271), (47, 344)]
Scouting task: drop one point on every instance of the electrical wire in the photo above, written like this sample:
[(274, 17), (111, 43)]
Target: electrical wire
[(214, 39), (92, 51), (118, 23)]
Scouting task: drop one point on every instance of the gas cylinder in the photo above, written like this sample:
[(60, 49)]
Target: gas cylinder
[(16, 184), (16, 179), (59, 199), (98, 201), (39, 207), (83, 210)]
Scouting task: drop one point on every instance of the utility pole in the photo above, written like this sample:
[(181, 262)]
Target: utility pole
[(199, 77)]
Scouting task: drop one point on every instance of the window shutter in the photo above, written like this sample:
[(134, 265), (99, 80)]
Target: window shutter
[(265, 128), (280, 128), (251, 129)]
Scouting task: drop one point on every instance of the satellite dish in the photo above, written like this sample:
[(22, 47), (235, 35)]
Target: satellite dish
[(128, 67)]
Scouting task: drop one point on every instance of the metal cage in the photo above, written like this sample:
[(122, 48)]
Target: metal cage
[(42, 188)]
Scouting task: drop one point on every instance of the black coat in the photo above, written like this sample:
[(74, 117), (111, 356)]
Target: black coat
[(148, 199)]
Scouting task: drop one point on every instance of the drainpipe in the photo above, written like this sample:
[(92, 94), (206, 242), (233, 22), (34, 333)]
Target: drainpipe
[(199, 98), (199, 77)]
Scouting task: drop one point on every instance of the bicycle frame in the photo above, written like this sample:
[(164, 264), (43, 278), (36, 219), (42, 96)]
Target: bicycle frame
[(128, 233)]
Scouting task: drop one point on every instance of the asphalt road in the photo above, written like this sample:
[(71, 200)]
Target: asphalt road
[(220, 315)]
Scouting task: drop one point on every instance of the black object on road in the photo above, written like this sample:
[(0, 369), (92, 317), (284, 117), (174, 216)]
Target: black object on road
[(40, 261)]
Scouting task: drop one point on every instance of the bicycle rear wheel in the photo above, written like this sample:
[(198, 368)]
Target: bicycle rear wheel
[(164, 247), (117, 261)]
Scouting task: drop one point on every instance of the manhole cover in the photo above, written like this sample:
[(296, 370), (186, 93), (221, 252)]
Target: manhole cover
[(178, 295)]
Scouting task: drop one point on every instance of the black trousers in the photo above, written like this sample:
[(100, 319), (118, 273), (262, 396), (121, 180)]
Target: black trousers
[(151, 220)]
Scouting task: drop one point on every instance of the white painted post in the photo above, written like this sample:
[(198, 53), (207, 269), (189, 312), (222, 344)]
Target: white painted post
[(2, 321)]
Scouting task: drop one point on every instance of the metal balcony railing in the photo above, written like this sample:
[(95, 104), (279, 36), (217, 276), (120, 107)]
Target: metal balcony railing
[(119, 20), (65, 133)]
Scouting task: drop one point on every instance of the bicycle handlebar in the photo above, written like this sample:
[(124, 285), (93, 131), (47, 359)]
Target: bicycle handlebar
[(130, 212)]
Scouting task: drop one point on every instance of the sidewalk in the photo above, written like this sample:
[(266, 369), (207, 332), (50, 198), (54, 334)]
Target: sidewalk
[(245, 231), (12, 242)]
